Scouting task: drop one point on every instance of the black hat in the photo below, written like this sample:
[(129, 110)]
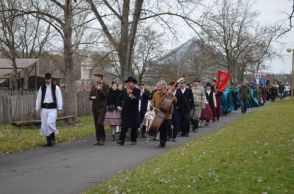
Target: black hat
[(131, 79), (48, 76)]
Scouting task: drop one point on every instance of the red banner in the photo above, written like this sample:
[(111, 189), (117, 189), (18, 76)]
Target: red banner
[(223, 79)]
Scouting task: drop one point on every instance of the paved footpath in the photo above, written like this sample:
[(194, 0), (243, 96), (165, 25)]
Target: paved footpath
[(74, 167)]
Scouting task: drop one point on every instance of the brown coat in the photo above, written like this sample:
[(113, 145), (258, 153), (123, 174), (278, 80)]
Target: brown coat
[(157, 99), (244, 93), (100, 102)]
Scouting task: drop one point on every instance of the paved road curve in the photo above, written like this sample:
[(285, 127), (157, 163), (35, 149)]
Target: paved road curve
[(75, 166)]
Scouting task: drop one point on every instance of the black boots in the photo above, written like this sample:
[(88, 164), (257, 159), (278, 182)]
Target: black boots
[(50, 140), (195, 124), (161, 144), (120, 143), (47, 141), (52, 137)]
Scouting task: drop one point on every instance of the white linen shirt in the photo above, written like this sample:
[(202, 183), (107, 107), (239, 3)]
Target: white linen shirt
[(48, 97)]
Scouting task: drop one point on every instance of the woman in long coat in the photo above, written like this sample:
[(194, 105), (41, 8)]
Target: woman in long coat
[(200, 102)]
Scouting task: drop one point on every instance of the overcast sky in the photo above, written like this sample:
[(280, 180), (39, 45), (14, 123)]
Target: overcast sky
[(270, 11)]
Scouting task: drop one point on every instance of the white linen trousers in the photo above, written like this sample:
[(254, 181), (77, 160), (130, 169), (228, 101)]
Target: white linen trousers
[(48, 118)]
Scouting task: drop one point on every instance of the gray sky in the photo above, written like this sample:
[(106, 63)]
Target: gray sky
[(271, 11)]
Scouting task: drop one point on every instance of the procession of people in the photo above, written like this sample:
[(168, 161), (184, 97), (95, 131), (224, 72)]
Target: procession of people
[(170, 109)]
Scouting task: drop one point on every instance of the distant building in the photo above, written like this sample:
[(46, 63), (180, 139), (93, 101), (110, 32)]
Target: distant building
[(192, 59)]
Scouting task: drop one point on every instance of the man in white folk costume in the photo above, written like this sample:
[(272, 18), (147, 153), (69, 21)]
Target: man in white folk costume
[(49, 106)]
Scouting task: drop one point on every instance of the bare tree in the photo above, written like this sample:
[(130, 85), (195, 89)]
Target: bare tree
[(148, 48), (231, 29), (290, 17), (129, 14), (21, 36), (255, 55), (60, 16)]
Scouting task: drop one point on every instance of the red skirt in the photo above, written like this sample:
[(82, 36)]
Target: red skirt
[(206, 113)]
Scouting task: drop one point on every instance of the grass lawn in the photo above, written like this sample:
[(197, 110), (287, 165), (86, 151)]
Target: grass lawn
[(14, 139), (254, 154)]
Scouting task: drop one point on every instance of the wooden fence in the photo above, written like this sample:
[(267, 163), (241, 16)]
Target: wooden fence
[(84, 104), (16, 92), (21, 107)]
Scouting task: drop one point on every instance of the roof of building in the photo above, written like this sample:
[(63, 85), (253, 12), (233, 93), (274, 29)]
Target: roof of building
[(6, 66)]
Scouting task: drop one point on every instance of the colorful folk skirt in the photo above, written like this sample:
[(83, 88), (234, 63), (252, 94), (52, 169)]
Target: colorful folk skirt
[(112, 118), (206, 113)]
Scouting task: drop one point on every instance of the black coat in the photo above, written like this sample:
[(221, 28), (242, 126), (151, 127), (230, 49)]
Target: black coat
[(188, 97), (209, 98), (130, 109), (113, 95), (181, 104)]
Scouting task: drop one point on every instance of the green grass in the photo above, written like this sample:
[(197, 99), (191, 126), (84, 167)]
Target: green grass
[(254, 154), (14, 139)]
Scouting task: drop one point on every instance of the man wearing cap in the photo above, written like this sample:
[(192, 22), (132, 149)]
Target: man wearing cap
[(98, 96), (128, 104), (49, 105), (156, 101)]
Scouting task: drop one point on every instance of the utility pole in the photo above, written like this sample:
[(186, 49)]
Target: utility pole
[(292, 82)]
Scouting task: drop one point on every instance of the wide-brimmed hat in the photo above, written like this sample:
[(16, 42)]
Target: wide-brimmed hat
[(131, 79)]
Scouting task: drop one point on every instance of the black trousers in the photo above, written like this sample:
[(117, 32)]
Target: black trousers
[(185, 123), (163, 129), (176, 122), (123, 132), (195, 124)]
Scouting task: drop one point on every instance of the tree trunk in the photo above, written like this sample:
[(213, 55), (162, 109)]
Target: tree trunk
[(70, 92), (241, 77), (234, 72), (241, 73), (13, 84), (26, 75), (132, 34), (230, 71), (124, 40)]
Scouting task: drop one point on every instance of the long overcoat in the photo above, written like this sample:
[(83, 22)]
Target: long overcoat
[(130, 109)]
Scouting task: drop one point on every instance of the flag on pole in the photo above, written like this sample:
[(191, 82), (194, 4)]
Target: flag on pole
[(223, 79)]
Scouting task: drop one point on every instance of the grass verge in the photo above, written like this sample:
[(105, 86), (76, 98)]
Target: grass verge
[(14, 139), (254, 154)]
